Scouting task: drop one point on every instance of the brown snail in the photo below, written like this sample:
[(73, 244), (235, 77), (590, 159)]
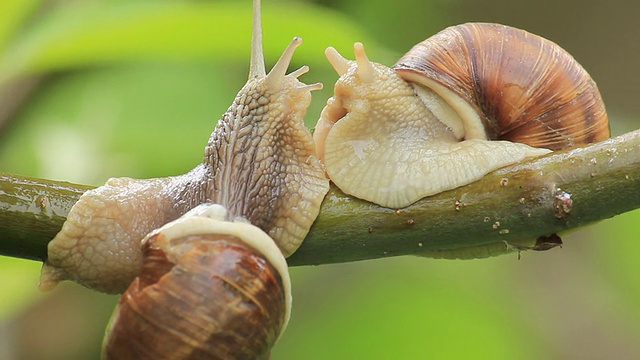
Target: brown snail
[(471, 99), (202, 255), (259, 163), (209, 288)]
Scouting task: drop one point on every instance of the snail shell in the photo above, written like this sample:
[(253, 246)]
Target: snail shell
[(209, 288), (395, 135), (523, 87)]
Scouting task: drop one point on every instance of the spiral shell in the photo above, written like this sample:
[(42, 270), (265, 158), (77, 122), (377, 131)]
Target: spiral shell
[(209, 288), (525, 88)]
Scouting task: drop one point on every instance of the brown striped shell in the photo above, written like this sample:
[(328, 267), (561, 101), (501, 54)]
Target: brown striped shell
[(526, 88), (209, 288)]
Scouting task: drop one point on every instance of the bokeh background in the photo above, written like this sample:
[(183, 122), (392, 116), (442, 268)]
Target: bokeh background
[(93, 89)]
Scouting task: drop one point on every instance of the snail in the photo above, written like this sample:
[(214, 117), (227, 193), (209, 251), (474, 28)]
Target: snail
[(202, 255), (469, 100), (209, 288), (259, 164)]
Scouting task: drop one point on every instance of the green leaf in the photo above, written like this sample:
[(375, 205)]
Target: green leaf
[(98, 33), (12, 16)]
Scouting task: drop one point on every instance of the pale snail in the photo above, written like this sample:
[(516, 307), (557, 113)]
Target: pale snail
[(395, 135), (259, 163), (202, 255)]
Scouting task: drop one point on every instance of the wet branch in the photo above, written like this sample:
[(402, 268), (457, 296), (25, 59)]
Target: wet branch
[(507, 209)]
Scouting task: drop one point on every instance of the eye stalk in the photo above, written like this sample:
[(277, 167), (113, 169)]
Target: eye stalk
[(339, 63)]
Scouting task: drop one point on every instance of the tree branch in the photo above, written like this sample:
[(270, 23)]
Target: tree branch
[(517, 204)]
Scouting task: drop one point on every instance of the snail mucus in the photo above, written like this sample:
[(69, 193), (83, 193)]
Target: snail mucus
[(469, 100), (201, 255)]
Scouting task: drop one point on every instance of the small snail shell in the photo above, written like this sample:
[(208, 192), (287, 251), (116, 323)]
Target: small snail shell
[(394, 136), (259, 163), (209, 288)]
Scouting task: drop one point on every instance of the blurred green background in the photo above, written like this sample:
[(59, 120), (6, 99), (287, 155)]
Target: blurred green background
[(94, 89)]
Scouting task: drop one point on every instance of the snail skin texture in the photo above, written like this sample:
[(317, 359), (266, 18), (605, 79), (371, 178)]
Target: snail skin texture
[(209, 288), (469, 100), (259, 163)]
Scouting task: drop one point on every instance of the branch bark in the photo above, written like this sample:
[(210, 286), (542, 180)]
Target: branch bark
[(514, 205)]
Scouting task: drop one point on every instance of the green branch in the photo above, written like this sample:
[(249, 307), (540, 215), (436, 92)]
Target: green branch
[(517, 204)]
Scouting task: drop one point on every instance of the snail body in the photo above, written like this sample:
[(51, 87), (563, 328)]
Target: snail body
[(471, 99), (209, 288), (259, 163)]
